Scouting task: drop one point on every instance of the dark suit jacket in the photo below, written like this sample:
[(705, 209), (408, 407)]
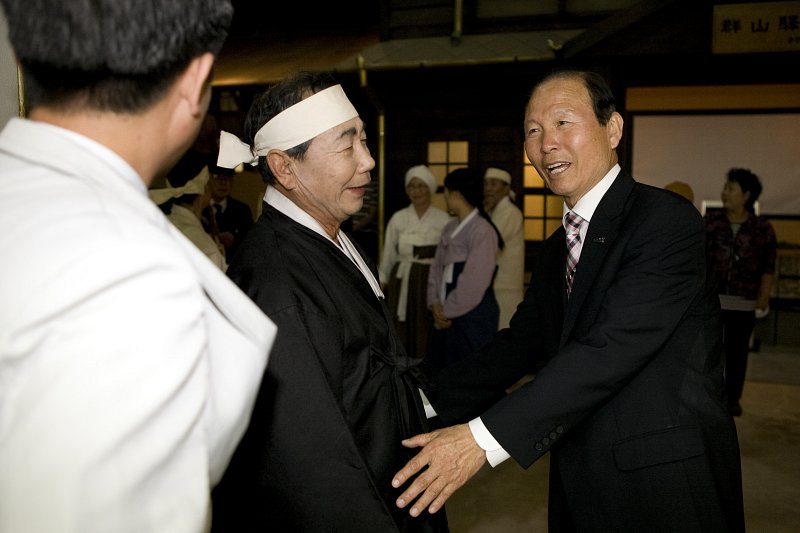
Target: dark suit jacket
[(236, 219), (629, 399)]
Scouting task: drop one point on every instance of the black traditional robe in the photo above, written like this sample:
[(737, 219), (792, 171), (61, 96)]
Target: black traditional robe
[(337, 398)]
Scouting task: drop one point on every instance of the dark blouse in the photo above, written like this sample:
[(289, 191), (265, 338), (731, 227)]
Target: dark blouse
[(739, 262)]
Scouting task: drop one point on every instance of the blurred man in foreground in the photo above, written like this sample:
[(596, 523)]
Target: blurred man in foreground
[(128, 362)]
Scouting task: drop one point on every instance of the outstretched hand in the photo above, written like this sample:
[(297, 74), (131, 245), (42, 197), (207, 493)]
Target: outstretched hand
[(451, 456)]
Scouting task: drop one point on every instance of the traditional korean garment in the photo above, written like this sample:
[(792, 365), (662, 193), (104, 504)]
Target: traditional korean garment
[(461, 280), (408, 250), (338, 396), (510, 280)]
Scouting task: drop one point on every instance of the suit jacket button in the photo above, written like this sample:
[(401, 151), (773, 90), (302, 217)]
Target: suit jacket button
[(560, 429), (545, 441), (553, 435), (538, 446)]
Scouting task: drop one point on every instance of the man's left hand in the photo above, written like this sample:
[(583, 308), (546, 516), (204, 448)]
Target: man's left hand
[(226, 238), (451, 456)]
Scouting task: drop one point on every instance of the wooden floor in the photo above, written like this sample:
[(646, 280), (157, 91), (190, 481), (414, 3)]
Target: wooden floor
[(510, 499)]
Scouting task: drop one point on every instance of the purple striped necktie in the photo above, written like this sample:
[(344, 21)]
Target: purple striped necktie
[(572, 223)]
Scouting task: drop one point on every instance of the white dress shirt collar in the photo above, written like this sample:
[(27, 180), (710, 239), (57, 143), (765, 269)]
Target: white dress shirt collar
[(472, 214), (223, 204), (587, 205), (101, 152)]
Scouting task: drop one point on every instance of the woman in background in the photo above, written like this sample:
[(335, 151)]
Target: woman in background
[(410, 243), (742, 249), (460, 294)]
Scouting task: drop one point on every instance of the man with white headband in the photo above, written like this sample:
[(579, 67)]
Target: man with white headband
[(338, 396), (510, 278)]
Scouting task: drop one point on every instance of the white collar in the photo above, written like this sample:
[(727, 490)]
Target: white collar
[(587, 205), (464, 222), (504, 200), (98, 150), (280, 202), (283, 204)]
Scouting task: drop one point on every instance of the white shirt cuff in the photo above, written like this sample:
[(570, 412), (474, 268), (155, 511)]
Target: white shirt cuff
[(495, 454)]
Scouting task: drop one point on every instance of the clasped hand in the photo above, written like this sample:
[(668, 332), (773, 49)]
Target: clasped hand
[(440, 321), (448, 459)]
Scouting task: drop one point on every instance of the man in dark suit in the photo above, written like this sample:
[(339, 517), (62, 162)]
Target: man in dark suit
[(625, 327), (233, 217)]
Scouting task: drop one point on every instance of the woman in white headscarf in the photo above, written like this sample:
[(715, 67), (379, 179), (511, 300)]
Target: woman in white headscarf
[(409, 245)]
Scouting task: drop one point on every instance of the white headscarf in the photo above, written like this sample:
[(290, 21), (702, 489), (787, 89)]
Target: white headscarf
[(502, 175), (424, 173), (498, 174)]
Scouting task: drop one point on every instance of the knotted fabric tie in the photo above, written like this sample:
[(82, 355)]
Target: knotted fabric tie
[(291, 127), (196, 185), (572, 223)]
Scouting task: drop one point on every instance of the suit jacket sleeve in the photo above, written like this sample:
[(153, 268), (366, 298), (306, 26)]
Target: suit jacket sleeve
[(641, 294)]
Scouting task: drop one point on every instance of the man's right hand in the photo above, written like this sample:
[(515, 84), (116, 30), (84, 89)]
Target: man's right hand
[(451, 456)]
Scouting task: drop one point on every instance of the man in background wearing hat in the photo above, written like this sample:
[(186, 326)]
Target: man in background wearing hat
[(337, 398), (408, 249), (233, 217), (128, 362), (510, 278)]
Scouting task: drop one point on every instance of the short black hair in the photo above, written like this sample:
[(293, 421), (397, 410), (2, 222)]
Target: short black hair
[(110, 55), (603, 101), (187, 167), (748, 182), (278, 98), (469, 184)]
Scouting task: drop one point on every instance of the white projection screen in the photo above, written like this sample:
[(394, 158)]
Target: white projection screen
[(699, 149)]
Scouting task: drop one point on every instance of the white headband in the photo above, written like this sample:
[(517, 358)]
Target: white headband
[(196, 185), (498, 174), (424, 173), (291, 127)]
